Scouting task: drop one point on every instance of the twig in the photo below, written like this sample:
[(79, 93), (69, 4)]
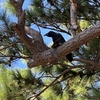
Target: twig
[(24, 57), (10, 45), (84, 61)]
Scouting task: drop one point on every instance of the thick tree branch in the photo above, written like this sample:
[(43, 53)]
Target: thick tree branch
[(34, 44), (23, 36), (19, 28), (37, 39), (18, 6), (73, 17), (51, 55)]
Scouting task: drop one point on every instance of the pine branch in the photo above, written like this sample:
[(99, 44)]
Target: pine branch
[(53, 82), (10, 45), (84, 61), (24, 57)]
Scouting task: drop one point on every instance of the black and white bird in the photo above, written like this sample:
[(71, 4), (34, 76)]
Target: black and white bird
[(58, 40)]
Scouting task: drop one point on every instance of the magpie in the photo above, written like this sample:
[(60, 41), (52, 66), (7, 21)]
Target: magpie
[(57, 41)]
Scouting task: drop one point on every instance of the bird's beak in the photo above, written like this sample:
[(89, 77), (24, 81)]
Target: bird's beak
[(46, 34)]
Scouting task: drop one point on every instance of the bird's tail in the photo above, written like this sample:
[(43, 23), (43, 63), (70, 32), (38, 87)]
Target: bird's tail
[(70, 57)]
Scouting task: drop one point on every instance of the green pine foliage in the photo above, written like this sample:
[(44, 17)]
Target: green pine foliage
[(52, 13), (11, 48), (90, 50), (17, 84), (96, 93)]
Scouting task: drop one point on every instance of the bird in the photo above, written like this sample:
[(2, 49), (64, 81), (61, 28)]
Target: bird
[(57, 41)]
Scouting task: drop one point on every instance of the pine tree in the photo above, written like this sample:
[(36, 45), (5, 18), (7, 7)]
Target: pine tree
[(53, 78)]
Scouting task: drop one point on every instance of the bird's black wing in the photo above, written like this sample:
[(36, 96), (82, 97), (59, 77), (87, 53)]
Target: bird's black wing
[(58, 40), (56, 43)]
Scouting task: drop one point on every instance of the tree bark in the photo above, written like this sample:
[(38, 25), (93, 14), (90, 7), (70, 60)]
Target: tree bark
[(35, 43), (73, 17)]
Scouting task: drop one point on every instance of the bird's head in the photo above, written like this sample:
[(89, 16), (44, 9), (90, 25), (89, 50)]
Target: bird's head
[(50, 34)]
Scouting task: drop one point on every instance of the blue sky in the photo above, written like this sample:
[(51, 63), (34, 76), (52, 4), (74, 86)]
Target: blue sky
[(47, 40)]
